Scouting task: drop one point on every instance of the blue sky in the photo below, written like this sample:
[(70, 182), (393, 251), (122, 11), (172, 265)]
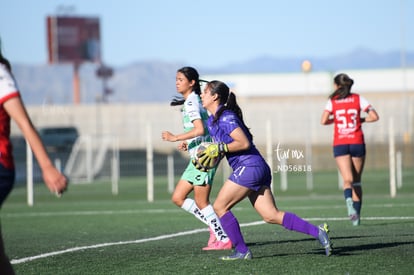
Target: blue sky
[(215, 32)]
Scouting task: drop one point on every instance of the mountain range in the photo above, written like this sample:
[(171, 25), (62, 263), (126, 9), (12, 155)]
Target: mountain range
[(154, 81)]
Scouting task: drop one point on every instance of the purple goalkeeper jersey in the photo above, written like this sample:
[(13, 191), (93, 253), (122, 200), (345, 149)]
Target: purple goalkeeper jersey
[(249, 167), (221, 130)]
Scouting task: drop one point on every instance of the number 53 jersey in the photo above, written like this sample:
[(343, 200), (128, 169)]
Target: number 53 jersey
[(347, 118)]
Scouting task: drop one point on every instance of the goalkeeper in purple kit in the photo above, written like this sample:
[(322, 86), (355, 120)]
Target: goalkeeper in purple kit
[(251, 176)]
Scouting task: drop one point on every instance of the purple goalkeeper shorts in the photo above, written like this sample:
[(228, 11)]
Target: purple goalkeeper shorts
[(252, 177)]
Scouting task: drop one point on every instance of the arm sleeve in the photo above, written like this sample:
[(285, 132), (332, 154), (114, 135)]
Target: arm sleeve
[(8, 86), (328, 106), (364, 104), (193, 109)]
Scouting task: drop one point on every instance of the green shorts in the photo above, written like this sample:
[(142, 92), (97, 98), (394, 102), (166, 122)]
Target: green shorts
[(196, 177)]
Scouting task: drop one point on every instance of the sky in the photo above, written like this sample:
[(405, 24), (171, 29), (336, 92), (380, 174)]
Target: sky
[(214, 33)]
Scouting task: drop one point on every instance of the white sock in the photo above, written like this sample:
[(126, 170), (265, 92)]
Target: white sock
[(190, 206), (214, 223)]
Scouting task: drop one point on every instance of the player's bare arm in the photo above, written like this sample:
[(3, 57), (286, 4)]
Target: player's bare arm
[(240, 141), (372, 116), (326, 118), (198, 130), (54, 180)]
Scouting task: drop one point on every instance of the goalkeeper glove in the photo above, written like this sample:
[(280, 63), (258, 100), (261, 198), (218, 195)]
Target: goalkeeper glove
[(215, 150), (210, 157)]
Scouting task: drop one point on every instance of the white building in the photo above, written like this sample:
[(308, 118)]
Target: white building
[(287, 104)]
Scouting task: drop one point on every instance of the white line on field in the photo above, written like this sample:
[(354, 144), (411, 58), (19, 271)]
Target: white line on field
[(162, 237), (89, 213), (151, 211)]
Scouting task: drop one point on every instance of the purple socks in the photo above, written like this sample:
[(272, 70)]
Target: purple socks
[(293, 222), (232, 228), (290, 221)]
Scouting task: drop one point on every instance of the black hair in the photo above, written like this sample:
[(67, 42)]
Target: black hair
[(191, 74), (3, 60), (227, 100), (344, 85)]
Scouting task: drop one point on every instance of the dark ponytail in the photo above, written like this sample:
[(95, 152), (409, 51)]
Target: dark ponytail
[(227, 100), (344, 85)]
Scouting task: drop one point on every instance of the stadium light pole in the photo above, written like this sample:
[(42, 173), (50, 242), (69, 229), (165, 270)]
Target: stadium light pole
[(306, 69)]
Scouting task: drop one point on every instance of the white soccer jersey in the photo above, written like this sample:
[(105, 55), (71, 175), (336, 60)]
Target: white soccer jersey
[(192, 110)]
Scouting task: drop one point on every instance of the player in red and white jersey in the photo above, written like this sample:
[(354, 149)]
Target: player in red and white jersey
[(344, 109), (12, 107), (346, 114)]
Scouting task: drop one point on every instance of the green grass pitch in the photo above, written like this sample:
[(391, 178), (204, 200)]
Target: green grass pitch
[(91, 231)]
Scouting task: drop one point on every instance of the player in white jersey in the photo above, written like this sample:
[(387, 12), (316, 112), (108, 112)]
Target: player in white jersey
[(195, 131), (12, 107)]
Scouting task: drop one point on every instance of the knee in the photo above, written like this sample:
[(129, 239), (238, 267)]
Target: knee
[(219, 209), (216, 207), (275, 218), (177, 200)]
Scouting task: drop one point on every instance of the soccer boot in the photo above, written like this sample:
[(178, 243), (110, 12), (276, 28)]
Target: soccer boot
[(212, 238), (357, 221), (324, 238), (238, 256), (219, 245)]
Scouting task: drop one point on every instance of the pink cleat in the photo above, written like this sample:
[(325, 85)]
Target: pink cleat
[(219, 245), (212, 238)]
